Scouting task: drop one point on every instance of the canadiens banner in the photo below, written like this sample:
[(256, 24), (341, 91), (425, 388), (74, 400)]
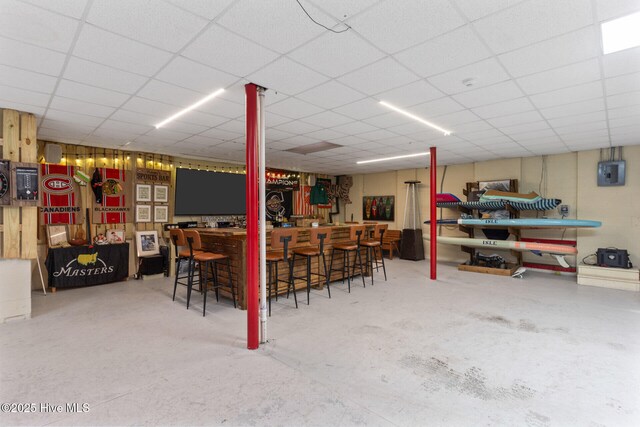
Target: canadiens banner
[(112, 195), (61, 202)]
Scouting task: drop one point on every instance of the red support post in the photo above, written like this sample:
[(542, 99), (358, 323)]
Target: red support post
[(432, 204), (253, 339)]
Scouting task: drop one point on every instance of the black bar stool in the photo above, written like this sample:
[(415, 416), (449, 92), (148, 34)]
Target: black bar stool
[(317, 236), (210, 260), (372, 246), (355, 234), (177, 237), (281, 238)]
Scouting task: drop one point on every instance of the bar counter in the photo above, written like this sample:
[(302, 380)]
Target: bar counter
[(233, 243)]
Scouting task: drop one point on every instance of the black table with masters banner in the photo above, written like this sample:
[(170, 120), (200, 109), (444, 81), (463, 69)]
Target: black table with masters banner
[(87, 265)]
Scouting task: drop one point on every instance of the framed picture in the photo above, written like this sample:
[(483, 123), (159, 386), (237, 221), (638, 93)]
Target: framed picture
[(147, 243), (143, 213), (161, 193), (143, 192), (58, 235), (161, 214), (378, 208), (115, 235)]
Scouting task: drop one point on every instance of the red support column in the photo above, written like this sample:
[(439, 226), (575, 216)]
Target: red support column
[(251, 92), (434, 223)]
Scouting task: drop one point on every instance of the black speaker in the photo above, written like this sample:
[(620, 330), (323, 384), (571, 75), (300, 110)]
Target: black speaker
[(612, 257)]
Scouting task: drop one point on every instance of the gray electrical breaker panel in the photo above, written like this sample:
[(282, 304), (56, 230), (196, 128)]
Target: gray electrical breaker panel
[(611, 173)]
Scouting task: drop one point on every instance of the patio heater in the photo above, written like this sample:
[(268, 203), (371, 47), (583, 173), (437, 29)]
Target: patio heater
[(411, 244)]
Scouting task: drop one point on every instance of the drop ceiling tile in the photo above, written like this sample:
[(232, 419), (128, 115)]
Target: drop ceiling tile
[(293, 108), (28, 97), (362, 109), (452, 120), (342, 10), (376, 135), (300, 140), (483, 73), (72, 8), (609, 9), (327, 119), (91, 94), (168, 93), (533, 21), (632, 110), (349, 141), (237, 126), (185, 127), (581, 127), (570, 75), (354, 128), (408, 128), (168, 135), (473, 126), (21, 55), (25, 22), (119, 52), (221, 134), (284, 75), (480, 135), (387, 120), (513, 106), (454, 49), (192, 75), (273, 134), (223, 108), (559, 51), (146, 106), (38, 111), (158, 24), (551, 140), (135, 117), (219, 49), (203, 119), (414, 93), (574, 109), (432, 18), (623, 62), (489, 95), (76, 128), (326, 134), (548, 150), (205, 8), (65, 116), (622, 84), (589, 145), (568, 95), (577, 119), (624, 121), (81, 107), (336, 54), (380, 76), (515, 119), (623, 100), (272, 119), (23, 79), (297, 127), (93, 74), (330, 95), (437, 107), (474, 9), (117, 136), (515, 130)]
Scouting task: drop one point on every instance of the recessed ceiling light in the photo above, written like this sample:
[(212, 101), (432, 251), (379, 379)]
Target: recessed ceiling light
[(622, 33), (189, 108), (384, 159), (414, 117)]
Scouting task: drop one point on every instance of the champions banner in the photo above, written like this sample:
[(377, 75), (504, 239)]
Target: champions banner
[(60, 195), (112, 195)]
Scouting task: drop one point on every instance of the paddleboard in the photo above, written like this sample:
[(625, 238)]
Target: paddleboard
[(523, 223), (557, 251)]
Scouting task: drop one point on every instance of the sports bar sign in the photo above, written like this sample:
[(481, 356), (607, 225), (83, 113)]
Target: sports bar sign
[(154, 176)]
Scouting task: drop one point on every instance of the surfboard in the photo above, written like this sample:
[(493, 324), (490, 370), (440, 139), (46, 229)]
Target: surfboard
[(523, 223), (557, 251)]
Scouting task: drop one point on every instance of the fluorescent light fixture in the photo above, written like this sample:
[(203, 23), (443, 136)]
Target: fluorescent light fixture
[(189, 108), (384, 159), (414, 117), (622, 33)]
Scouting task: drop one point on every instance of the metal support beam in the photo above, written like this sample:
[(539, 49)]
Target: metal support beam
[(433, 182), (251, 92)]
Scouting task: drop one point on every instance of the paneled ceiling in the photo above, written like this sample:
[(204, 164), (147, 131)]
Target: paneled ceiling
[(103, 72)]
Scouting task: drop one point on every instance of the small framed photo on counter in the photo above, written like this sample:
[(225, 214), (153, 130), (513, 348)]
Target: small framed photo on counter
[(147, 243), (115, 235)]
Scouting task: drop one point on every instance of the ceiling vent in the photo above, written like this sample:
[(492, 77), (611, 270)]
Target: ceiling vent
[(313, 148)]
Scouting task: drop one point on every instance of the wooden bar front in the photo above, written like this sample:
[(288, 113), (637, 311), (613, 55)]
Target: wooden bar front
[(233, 243)]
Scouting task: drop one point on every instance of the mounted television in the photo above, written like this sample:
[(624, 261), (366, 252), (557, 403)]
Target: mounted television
[(202, 193)]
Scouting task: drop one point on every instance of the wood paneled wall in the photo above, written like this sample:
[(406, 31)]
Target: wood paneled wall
[(19, 224)]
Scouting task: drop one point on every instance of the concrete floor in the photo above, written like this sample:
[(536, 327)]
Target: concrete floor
[(468, 349)]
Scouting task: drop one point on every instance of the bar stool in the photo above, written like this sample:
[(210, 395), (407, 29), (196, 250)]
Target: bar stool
[(355, 234), (373, 244), (177, 237), (210, 261), (317, 236), (281, 238)]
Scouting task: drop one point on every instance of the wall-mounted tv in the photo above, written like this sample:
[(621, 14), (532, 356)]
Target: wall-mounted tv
[(200, 192)]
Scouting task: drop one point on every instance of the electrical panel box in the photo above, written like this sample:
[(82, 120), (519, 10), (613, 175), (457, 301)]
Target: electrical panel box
[(611, 173)]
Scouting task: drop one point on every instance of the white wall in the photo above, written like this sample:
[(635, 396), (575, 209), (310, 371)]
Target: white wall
[(570, 177)]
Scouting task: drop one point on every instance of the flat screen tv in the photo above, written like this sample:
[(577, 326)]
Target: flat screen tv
[(201, 192)]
